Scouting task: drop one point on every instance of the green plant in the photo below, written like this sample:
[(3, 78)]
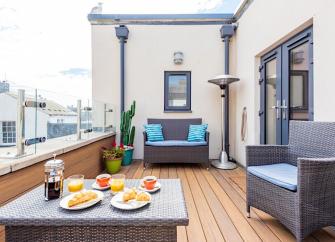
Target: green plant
[(113, 153), (128, 131)]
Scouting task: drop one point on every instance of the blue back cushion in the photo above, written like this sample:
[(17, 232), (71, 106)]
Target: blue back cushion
[(154, 132), (196, 133)]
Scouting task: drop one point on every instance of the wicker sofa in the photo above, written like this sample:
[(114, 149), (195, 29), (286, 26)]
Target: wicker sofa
[(165, 152), (306, 201)]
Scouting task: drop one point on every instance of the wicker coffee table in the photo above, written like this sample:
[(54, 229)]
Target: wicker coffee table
[(30, 218)]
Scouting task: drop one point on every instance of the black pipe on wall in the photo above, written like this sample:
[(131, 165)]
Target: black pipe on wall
[(226, 104), (227, 31), (122, 34)]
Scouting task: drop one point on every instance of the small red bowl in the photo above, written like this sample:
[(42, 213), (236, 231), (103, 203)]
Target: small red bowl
[(103, 180)]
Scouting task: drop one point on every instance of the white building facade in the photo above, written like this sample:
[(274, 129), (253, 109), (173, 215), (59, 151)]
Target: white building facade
[(281, 51)]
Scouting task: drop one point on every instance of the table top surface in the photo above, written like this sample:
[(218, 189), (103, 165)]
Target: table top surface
[(167, 208)]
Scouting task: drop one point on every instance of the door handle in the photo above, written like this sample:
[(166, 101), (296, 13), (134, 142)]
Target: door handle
[(284, 109), (277, 107)]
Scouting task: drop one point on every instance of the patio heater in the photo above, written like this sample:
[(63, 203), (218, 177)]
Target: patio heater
[(223, 162)]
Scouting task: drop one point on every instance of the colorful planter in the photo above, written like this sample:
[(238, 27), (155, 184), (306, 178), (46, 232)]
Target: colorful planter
[(128, 156), (113, 166)]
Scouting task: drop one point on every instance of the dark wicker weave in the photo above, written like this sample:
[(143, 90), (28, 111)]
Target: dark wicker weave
[(312, 148), (176, 129), (30, 218)]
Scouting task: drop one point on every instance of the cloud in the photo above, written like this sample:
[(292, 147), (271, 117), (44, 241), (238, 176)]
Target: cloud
[(76, 72)]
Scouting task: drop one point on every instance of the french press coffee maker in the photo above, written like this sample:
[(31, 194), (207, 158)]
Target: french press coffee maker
[(53, 178)]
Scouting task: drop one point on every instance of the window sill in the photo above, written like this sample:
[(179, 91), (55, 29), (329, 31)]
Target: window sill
[(177, 111)]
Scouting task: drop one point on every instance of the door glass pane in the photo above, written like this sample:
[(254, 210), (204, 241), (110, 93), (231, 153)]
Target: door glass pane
[(299, 68), (177, 96), (270, 101)]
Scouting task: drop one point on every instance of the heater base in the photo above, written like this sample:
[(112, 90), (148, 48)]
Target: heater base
[(227, 165)]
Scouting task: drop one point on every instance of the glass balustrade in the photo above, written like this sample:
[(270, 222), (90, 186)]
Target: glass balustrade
[(35, 121)]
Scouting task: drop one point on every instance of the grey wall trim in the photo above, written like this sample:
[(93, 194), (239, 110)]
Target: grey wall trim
[(242, 8), (160, 19)]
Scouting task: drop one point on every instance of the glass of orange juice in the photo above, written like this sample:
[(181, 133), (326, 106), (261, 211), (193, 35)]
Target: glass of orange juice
[(117, 183), (75, 183)]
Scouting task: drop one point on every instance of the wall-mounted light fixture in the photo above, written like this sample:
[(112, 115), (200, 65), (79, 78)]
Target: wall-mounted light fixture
[(178, 57)]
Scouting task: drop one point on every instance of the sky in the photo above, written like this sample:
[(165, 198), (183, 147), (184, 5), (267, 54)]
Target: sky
[(46, 44)]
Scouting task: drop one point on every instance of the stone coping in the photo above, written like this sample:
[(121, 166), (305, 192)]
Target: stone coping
[(56, 146)]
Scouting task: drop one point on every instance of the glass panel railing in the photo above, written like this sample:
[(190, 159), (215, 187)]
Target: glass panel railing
[(103, 117), (17, 121), (51, 121)]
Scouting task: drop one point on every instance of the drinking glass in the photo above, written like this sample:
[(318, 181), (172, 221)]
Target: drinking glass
[(75, 183), (117, 183)]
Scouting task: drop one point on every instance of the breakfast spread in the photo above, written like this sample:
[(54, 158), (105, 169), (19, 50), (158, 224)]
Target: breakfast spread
[(143, 197), (122, 197), (133, 194), (82, 197)]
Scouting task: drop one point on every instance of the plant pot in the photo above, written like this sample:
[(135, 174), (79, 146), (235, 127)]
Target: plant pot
[(113, 166), (128, 156)]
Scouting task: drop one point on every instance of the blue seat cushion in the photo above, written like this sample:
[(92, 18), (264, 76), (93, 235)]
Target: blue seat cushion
[(175, 143), (282, 174)]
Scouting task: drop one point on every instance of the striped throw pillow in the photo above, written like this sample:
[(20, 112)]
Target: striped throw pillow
[(196, 133), (154, 132)]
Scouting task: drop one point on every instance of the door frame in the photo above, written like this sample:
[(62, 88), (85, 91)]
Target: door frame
[(281, 52), (274, 54), (306, 36)]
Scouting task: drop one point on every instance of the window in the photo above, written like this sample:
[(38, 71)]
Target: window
[(8, 132), (177, 91)]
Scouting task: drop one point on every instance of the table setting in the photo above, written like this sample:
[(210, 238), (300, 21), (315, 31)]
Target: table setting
[(107, 208)]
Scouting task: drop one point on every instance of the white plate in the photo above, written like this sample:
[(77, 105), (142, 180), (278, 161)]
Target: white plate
[(131, 205), (97, 187), (64, 202), (156, 188)]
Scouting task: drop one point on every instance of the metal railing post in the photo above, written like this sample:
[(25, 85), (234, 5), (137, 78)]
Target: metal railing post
[(105, 117), (20, 123), (78, 119)]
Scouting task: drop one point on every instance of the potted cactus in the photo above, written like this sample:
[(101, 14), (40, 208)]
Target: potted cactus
[(128, 134), (113, 158)]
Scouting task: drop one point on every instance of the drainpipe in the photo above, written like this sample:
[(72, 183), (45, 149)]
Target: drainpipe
[(227, 31), (122, 34)]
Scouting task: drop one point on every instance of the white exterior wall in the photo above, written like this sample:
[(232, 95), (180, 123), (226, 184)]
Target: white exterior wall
[(8, 111), (264, 25), (149, 52)]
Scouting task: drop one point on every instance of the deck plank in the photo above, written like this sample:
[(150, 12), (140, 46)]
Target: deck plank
[(238, 218), (132, 168), (181, 230), (2, 234), (255, 222), (210, 227), (194, 230), (164, 171), (229, 231), (156, 170)]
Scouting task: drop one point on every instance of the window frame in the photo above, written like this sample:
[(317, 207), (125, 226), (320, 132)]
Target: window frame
[(167, 107), (8, 132)]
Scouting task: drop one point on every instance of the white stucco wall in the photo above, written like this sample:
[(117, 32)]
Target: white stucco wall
[(263, 26), (149, 52), (8, 111)]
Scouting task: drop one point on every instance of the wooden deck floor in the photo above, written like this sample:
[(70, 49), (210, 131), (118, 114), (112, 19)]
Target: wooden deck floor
[(216, 205)]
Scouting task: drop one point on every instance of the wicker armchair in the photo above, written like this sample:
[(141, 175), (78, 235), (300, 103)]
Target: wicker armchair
[(312, 206)]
